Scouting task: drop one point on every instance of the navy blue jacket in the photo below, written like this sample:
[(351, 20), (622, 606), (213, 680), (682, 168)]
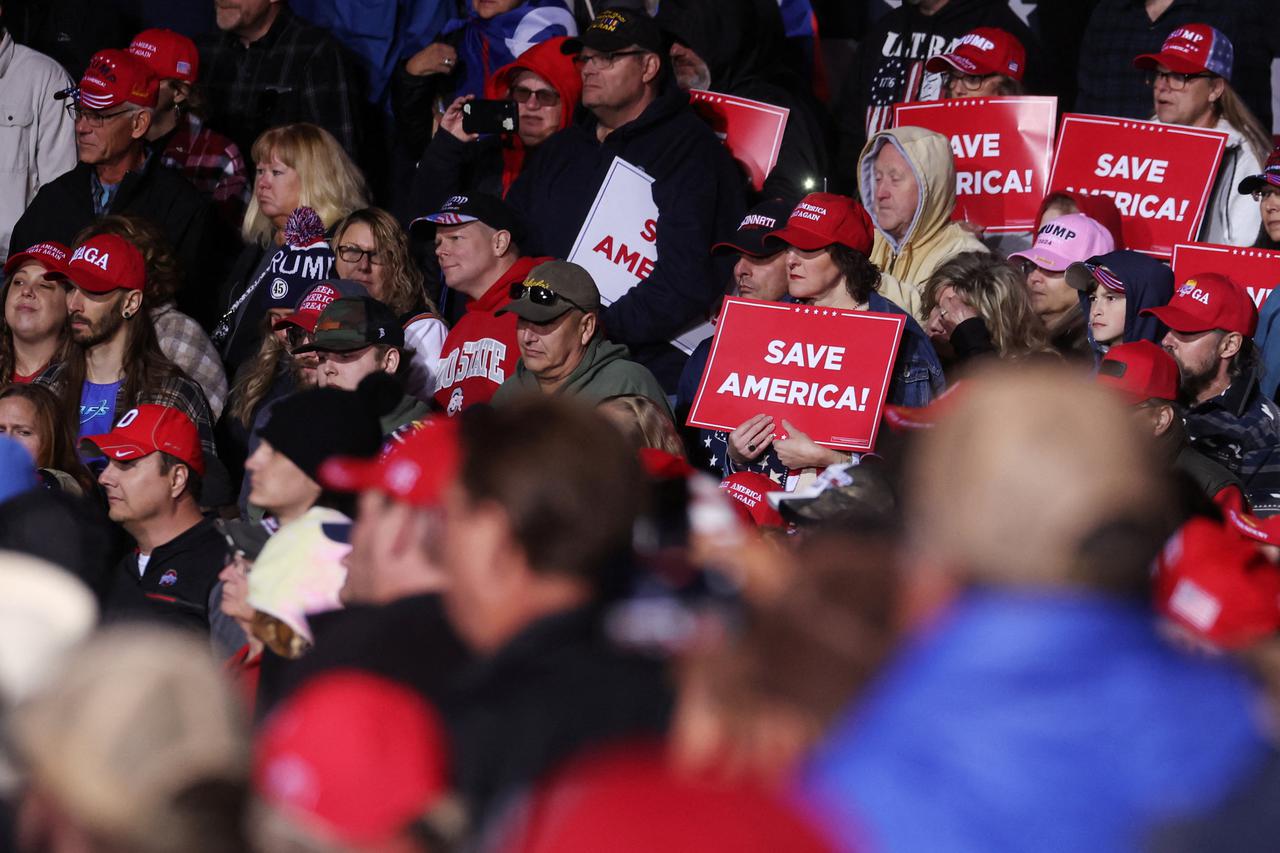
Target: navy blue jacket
[(700, 200)]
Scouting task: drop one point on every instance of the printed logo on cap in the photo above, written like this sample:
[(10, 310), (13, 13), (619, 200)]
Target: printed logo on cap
[(318, 298), (92, 255), (1190, 290), (609, 21), (456, 201), (402, 475), (279, 288), (812, 212), (757, 220)]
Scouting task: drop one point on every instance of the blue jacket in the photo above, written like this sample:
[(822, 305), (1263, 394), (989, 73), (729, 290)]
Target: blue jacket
[(700, 199), (1034, 720), (917, 379), (1268, 340), (1148, 283)]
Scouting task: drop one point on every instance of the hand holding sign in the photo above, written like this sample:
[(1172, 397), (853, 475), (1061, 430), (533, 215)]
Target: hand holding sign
[(798, 450)]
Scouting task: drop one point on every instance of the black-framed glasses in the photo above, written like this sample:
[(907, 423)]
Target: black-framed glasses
[(540, 295), (353, 254), (604, 60), (544, 97), (1173, 79), (969, 82), (94, 118)]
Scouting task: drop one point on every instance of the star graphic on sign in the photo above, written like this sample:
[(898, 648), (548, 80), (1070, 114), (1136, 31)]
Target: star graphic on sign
[(707, 441)]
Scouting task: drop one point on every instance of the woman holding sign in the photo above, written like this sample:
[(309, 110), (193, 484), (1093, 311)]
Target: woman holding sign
[(827, 239), (1190, 81)]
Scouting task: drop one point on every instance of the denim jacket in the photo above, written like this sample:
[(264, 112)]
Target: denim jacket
[(917, 373)]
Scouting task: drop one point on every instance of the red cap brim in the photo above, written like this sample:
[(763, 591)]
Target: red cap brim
[(15, 262), (86, 280), (1178, 320), (305, 320), (1173, 61), (948, 62), (801, 238)]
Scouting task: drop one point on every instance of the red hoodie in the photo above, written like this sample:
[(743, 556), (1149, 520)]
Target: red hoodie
[(480, 351), (545, 60)]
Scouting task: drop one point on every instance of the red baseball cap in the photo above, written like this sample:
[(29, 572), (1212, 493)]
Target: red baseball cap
[(117, 77), (1264, 530), (909, 418), (1208, 301), (416, 471), (986, 50), (1192, 49), (307, 315), (353, 755), (1140, 371), (1218, 585), (821, 219), (748, 493), (105, 263), (149, 428), (169, 55), (52, 256)]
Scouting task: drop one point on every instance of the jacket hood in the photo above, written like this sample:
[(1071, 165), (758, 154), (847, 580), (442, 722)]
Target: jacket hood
[(929, 156), (600, 354), (738, 39), (545, 60), (1148, 283)]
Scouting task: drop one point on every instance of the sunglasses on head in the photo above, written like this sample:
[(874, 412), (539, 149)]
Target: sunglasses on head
[(540, 295)]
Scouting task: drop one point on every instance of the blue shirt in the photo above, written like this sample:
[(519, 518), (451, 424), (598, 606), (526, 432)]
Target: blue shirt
[(97, 407)]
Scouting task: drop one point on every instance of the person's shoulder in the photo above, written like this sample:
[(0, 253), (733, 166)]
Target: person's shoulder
[(35, 67)]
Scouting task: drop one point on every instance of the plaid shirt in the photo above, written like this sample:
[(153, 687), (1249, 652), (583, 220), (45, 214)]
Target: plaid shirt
[(1240, 430), (1119, 30), (213, 164), (186, 345), (294, 73)]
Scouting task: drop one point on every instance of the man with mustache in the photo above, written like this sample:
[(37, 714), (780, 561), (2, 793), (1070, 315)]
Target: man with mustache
[(116, 363)]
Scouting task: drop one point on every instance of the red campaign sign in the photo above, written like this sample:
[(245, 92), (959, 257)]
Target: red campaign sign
[(826, 370), (1256, 270), (1002, 149), (1160, 175), (751, 130)]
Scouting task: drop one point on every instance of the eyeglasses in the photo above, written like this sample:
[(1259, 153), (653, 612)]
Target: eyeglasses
[(1027, 267), (353, 255), (539, 295), (970, 82), (603, 60), (1175, 81), (1265, 193), (94, 118), (545, 97)]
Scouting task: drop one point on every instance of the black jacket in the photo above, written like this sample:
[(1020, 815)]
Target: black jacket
[(64, 206), (557, 688), (699, 195), (177, 583)]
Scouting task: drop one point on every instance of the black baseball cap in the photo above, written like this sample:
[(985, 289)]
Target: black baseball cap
[(618, 29), (760, 221), (476, 207), (352, 323)]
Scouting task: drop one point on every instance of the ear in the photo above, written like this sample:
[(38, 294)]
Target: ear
[(181, 91), (501, 242), (1230, 344), (1216, 88), (141, 124), (1161, 419), (178, 480), (132, 303), (391, 361), (652, 67), (587, 327)]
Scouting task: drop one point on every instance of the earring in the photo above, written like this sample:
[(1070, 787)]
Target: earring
[(128, 314)]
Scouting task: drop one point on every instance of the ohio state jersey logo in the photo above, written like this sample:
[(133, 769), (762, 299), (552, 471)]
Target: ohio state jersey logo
[(169, 578)]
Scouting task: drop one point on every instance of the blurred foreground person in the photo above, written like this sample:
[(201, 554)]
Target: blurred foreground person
[(526, 583), (136, 746), (1064, 709)]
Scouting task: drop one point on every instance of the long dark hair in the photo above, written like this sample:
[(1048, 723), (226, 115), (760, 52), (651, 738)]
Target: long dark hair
[(861, 277), (1264, 241), (8, 356)]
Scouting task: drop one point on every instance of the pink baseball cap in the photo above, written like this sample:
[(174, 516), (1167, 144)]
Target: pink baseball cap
[(1066, 240), (986, 50), (1192, 49)]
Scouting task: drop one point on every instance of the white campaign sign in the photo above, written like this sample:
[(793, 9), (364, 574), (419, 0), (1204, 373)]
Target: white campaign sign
[(618, 240)]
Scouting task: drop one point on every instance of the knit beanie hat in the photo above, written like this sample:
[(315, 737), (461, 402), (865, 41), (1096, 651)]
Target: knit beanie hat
[(312, 425)]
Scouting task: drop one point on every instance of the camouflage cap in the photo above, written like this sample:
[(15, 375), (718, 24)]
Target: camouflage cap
[(353, 323)]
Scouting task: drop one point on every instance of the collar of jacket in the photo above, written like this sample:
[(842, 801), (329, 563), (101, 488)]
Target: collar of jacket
[(284, 18), (1237, 397), (187, 539), (670, 100), (574, 627), (7, 50)]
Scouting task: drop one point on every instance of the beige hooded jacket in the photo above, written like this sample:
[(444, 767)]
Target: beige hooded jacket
[(931, 238)]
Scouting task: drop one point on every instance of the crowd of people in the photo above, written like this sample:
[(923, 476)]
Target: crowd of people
[(342, 510)]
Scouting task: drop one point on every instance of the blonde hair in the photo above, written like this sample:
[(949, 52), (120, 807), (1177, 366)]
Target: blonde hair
[(402, 277), (992, 287), (647, 426), (1237, 113), (331, 184), (255, 380)]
